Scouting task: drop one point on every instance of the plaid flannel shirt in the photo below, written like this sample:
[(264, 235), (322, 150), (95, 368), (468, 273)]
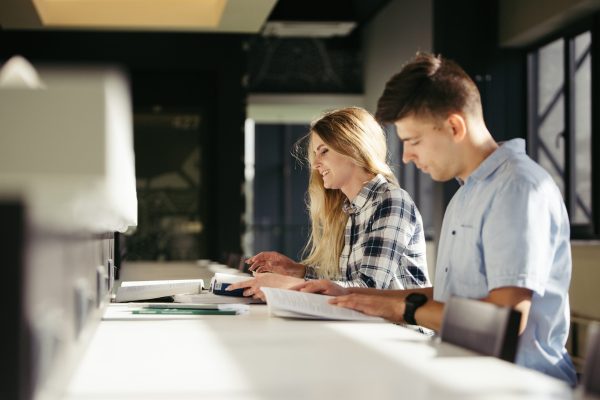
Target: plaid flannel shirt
[(384, 243)]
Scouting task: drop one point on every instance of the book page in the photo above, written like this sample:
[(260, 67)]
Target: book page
[(290, 303)]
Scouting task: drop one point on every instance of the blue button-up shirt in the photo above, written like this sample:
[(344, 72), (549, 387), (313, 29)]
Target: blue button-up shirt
[(507, 226)]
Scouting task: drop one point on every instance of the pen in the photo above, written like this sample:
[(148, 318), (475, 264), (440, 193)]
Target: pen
[(179, 311)]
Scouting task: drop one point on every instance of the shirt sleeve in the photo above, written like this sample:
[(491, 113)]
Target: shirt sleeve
[(394, 247), (520, 234)]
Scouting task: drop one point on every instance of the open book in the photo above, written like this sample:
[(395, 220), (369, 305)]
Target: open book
[(144, 290), (290, 303)]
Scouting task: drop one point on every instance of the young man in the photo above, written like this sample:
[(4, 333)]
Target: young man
[(505, 235)]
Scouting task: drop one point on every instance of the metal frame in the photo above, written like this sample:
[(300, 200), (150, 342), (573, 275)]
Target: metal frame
[(592, 229)]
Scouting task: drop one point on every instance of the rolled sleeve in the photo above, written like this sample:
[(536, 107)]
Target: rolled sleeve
[(519, 239)]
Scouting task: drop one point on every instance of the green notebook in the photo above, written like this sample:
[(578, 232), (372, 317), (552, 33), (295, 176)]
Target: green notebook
[(182, 311)]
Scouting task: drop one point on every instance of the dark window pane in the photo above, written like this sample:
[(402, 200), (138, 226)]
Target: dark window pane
[(276, 188)]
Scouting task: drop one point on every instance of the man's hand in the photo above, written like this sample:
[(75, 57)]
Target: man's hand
[(321, 286), (271, 261), (391, 309)]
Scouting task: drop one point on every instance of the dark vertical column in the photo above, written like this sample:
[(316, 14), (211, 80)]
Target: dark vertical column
[(13, 379), (569, 132), (229, 149), (287, 217)]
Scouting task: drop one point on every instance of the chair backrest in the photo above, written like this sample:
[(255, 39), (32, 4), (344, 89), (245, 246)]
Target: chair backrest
[(591, 367), (482, 327)]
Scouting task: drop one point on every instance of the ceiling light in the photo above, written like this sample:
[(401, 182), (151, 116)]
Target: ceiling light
[(323, 29), (131, 13)]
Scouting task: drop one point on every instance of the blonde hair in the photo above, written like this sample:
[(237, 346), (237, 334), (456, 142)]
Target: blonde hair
[(354, 133)]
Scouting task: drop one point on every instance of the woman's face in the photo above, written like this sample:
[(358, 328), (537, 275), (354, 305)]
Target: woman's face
[(336, 169)]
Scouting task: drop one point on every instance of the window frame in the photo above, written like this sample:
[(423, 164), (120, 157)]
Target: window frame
[(589, 230)]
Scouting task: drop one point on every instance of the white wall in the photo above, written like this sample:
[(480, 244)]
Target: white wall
[(585, 299), (393, 37)]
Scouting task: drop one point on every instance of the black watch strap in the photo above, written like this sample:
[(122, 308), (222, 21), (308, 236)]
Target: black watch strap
[(411, 303)]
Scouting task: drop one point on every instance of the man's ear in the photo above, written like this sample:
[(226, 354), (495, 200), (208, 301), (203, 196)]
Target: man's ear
[(458, 125)]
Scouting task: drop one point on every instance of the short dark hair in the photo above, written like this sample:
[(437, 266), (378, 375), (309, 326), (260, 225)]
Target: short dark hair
[(431, 85)]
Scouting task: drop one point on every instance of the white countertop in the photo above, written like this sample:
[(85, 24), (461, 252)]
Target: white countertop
[(255, 356)]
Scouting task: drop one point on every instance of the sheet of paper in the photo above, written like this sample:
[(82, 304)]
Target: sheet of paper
[(290, 303)]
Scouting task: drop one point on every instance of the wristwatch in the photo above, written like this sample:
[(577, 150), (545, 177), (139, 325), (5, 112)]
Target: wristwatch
[(411, 303)]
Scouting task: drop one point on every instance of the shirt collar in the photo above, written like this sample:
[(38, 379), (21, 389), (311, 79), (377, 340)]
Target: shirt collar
[(365, 194), (497, 158)]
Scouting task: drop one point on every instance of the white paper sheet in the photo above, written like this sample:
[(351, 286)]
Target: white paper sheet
[(290, 303)]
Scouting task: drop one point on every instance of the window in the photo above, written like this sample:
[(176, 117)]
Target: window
[(171, 189), (276, 183), (560, 122)]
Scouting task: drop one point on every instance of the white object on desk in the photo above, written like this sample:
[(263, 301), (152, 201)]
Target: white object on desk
[(142, 290), (67, 148)]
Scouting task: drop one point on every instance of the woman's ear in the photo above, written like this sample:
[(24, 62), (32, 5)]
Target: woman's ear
[(458, 125)]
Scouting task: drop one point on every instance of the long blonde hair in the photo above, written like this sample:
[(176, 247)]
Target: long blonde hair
[(354, 133)]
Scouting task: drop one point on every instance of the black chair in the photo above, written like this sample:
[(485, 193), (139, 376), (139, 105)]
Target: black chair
[(591, 367), (481, 327)]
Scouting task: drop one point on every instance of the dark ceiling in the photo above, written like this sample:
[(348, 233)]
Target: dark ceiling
[(311, 64)]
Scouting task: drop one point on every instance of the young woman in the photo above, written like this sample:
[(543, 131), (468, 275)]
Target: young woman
[(366, 231)]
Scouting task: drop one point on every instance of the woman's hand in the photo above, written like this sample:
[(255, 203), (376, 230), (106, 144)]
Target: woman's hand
[(271, 261), (252, 286), (321, 286)]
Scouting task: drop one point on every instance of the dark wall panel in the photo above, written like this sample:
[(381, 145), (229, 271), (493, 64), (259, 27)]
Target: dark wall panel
[(466, 31), (218, 65)]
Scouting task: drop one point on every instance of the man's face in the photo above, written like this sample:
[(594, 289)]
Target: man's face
[(428, 144)]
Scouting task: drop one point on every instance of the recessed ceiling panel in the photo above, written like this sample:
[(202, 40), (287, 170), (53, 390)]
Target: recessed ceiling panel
[(131, 13)]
